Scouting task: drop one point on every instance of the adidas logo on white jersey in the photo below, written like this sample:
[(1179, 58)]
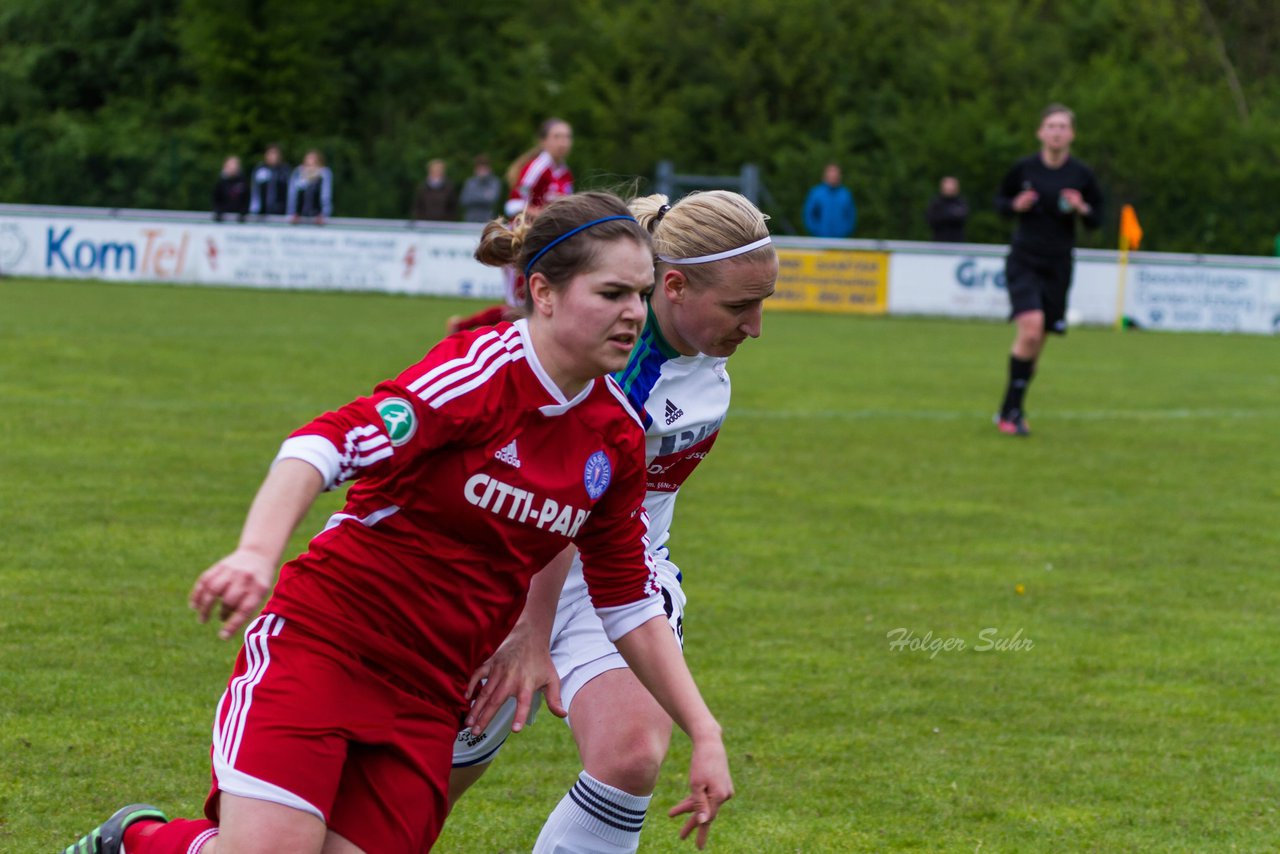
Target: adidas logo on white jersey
[(509, 455), (673, 412)]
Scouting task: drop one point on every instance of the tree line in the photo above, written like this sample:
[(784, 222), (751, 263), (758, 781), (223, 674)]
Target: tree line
[(134, 103)]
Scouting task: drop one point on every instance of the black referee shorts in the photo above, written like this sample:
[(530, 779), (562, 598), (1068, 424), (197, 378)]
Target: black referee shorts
[(1039, 284)]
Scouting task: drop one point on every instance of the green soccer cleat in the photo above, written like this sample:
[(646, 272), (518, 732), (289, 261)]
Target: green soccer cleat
[(108, 837)]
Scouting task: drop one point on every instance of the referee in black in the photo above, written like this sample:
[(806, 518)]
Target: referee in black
[(1047, 192)]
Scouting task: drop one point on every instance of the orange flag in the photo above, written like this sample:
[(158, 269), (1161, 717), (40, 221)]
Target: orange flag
[(1130, 230)]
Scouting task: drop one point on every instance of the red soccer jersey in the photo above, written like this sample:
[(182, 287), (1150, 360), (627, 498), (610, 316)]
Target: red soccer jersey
[(541, 182), (473, 472)]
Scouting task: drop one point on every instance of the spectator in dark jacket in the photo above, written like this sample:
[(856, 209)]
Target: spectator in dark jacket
[(829, 210), (480, 192), (231, 193), (948, 212), (311, 190), (269, 187), (437, 198)]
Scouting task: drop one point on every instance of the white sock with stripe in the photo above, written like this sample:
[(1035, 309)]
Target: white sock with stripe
[(594, 818)]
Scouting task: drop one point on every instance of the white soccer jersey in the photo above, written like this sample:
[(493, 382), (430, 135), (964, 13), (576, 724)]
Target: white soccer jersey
[(683, 401)]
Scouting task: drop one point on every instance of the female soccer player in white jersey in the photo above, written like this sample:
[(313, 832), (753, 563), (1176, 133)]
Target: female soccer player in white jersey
[(473, 469), (715, 267)]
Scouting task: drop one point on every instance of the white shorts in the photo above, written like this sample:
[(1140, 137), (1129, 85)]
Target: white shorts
[(580, 650)]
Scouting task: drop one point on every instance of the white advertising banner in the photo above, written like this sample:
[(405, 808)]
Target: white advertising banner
[(965, 284), (1162, 291), (414, 261), (971, 284), (1203, 297), (1175, 292)]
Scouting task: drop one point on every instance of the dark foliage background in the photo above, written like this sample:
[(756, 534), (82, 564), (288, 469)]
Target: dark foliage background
[(134, 103)]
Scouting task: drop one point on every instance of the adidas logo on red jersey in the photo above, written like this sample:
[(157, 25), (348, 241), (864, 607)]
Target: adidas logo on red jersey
[(509, 455), (673, 412)]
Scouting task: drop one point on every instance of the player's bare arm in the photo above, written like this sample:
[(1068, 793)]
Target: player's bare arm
[(242, 579)]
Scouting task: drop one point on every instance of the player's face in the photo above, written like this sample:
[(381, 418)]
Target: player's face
[(559, 141), (598, 317), (716, 319), (1056, 132)]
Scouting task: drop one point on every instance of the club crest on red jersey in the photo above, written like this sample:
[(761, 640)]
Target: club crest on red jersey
[(399, 419), (596, 474)]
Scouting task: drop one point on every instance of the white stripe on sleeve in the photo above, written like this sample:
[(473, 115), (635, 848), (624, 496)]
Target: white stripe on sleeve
[(452, 364), (316, 450), (458, 391)]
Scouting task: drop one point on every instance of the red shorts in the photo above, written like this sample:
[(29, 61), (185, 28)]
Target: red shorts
[(311, 726)]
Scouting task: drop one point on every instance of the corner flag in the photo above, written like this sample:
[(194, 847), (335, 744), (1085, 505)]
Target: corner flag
[(1130, 229), (1130, 238)]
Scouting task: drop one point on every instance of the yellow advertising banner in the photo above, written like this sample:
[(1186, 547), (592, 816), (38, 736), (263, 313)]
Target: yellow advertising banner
[(831, 280)]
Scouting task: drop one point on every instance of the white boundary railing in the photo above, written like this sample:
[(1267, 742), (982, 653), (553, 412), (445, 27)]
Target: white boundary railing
[(1160, 290)]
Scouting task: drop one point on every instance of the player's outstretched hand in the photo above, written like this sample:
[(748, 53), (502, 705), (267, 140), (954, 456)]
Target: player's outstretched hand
[(241, 580), (709, 786), (519, 668)]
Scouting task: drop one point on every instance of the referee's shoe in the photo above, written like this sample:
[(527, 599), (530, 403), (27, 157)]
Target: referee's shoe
[(1012, 424)]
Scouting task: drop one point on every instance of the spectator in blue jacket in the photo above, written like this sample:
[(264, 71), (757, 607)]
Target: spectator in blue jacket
[(829, 211)]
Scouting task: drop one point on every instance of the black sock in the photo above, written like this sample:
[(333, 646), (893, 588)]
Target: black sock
[(1020, 373)]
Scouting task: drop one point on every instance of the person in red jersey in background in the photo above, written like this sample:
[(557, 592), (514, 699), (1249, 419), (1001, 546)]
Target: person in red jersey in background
[(537, 177), (540, 175), (472, 469)]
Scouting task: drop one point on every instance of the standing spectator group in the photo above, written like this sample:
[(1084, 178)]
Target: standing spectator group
[(305, 193), (273, 189)]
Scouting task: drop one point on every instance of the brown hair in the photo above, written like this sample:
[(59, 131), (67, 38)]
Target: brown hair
[(517, 165), (516, 243), (1058, 108)]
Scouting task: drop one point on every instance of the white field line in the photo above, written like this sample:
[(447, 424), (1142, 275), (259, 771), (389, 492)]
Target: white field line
[(969, 415)]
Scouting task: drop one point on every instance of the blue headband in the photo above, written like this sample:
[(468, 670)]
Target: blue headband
[(570, 233)]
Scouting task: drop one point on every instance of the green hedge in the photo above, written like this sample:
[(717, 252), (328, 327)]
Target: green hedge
[(133, 103)]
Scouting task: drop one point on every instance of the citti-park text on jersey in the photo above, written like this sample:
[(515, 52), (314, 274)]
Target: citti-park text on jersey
[(491, 494)]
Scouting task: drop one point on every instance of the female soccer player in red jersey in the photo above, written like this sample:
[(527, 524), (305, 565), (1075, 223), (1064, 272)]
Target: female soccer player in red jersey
[(715, 268), (472, 470), (541, 175), (537, 177)]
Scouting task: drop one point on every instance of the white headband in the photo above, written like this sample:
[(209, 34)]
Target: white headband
[(719, 256)]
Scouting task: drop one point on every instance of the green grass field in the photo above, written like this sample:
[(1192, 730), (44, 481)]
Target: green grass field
[(857, 489)]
